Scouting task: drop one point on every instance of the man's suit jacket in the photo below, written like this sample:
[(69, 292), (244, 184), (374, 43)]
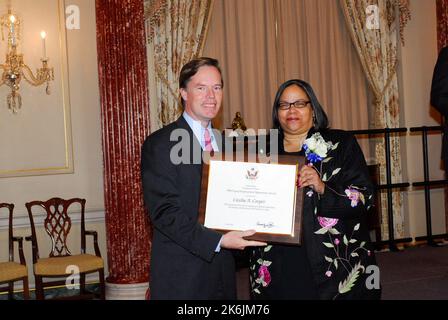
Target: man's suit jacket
[(439, 96), (184, 264)]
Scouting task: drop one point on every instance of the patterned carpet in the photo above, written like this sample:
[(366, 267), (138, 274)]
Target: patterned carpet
[(417, 273), (53, 293)]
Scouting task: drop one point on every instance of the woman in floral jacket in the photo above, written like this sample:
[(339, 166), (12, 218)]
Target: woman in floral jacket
[(336, 259)]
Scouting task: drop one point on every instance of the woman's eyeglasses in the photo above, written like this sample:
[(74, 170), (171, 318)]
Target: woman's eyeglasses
[(299, 104)]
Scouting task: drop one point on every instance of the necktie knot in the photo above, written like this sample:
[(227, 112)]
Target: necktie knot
[(207, 140)]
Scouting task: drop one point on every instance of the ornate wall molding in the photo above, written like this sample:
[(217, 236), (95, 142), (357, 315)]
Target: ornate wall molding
[(38, 139)]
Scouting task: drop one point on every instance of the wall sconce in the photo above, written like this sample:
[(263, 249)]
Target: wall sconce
[(14, 68)]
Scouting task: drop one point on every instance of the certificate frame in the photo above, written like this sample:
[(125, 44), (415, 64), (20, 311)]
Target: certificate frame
[(296, 216)]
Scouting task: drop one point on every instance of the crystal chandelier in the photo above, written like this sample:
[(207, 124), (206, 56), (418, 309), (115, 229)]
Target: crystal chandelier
[(14, 68)]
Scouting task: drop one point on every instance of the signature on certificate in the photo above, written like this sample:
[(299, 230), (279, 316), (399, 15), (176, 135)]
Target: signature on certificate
[(266, 225)]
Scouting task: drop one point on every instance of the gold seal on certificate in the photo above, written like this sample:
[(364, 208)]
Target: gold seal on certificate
[(248, 195)]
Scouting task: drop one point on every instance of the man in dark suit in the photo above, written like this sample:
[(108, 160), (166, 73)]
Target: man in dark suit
[(188, 260), (439, 96)]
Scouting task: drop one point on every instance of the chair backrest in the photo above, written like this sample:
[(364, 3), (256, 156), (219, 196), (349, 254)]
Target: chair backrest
[(57, 224), (10, 208)]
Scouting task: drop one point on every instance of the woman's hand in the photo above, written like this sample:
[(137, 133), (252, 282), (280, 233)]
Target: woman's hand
[(308, 177)]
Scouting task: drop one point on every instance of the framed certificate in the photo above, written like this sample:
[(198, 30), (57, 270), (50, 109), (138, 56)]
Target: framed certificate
[(241, 195)]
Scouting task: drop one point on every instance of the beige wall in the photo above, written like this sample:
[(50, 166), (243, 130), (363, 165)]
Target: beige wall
[(418, 59), (86, 181)]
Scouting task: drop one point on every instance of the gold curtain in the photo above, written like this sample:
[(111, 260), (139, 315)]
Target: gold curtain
[(315, 45), (377, 50), (242, 37), (261, 44), (175, 31)]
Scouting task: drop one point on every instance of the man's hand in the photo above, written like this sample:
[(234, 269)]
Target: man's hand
[(235, 240)]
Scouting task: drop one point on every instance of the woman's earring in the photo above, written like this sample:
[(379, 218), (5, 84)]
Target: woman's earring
[(314, 119)]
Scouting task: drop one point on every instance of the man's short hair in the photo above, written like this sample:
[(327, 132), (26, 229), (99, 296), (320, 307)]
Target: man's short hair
[(192, 67)]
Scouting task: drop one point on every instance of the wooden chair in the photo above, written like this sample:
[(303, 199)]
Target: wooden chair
[(11, 271), (60, 260), (374, 218)]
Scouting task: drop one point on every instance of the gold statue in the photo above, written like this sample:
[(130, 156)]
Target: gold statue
[(238, 122)]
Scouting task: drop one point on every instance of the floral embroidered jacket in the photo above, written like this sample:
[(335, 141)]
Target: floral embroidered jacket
[(336, 242)]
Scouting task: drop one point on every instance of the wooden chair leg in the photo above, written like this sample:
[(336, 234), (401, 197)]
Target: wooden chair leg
[(82, 282), (39, 288), (26, 291), (11, 290), (102, 285)]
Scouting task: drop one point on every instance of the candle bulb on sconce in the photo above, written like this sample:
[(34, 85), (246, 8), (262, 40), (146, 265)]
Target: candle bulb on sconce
[(43, 35), (13, 34)]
